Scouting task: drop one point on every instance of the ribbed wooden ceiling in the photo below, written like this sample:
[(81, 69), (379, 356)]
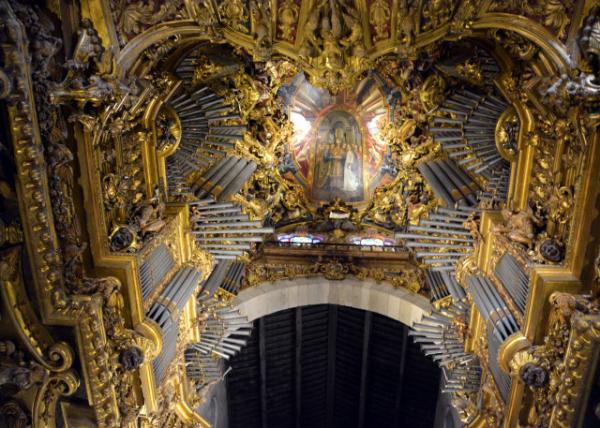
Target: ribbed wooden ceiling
[(331, 366)]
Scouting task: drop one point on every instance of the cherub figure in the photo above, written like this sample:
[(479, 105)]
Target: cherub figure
[(519, 226)]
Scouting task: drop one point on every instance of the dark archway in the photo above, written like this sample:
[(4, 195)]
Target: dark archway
[(331, 366)]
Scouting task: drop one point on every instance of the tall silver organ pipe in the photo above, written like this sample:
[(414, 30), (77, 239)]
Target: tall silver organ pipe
[(502, 379), (443, 284), (216, 278), (226, 180), (234, 277)]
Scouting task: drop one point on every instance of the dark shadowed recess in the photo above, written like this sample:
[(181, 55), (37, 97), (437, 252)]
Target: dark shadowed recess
[(331, 366)]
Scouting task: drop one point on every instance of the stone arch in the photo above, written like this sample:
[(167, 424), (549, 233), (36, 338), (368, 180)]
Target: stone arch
[(381, 298)]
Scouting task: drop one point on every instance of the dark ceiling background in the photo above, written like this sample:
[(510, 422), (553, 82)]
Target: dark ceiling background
[(331, 366)]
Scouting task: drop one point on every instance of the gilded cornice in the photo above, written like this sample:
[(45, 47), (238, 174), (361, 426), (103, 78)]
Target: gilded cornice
[(558, 53)]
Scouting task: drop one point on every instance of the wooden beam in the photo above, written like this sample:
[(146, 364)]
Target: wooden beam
[(298, 359), (398, 404), (331, 336), (262, 353), (362, 401)]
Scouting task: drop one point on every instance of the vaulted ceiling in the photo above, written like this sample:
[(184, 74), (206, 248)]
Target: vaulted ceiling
[(331, 366)]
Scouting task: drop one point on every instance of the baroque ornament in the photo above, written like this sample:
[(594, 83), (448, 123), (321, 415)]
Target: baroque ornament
[(287, 16), (91, 125), (334, 45)]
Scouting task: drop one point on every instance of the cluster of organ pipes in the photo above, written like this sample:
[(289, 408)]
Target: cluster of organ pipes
[(153, 269), (443, 284), (166, 310), (234, 277), (225, 178), (203, 370), (440, 336), (224, 331), (500, 325), (225, 328), (492, 306), (465, 378), (514, 279), (496, 188), (449, 182), (467, 133), (442, 239), (223, 230), (207, 133)]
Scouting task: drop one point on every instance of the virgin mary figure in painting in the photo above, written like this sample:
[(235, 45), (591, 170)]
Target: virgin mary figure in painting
[(338, 166)]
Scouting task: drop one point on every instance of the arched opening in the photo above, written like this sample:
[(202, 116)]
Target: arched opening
[(381, 298), (329, 365)]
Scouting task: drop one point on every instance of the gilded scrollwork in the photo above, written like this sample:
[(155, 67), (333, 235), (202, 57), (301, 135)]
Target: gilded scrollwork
[(55, 386), (407, 276), (134, 17), (437, 13), (334, 44), (516, 45), (379, 18), (263, 31), (553, 370), (16, 373), (406, 23), (287, 16), (55, 356), (206, 15), (235, 14), (554, 14)]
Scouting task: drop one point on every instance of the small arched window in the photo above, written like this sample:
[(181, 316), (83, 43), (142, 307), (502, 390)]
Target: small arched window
[(300, 238)]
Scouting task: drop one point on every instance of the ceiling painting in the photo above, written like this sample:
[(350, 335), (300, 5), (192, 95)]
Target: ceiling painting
[(336, 148)]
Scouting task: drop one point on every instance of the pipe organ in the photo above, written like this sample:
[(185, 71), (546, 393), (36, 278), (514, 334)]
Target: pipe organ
[(501, 324), (225, 178), (224, 333), (234, 278), (153, 269), (465, 378), (441, 336), (443, 284), (150, 148), (166, 310), (210, 129), (223, 230), (450, 182), (442, 239), (514, 279), (491, 305), (467, 132)]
